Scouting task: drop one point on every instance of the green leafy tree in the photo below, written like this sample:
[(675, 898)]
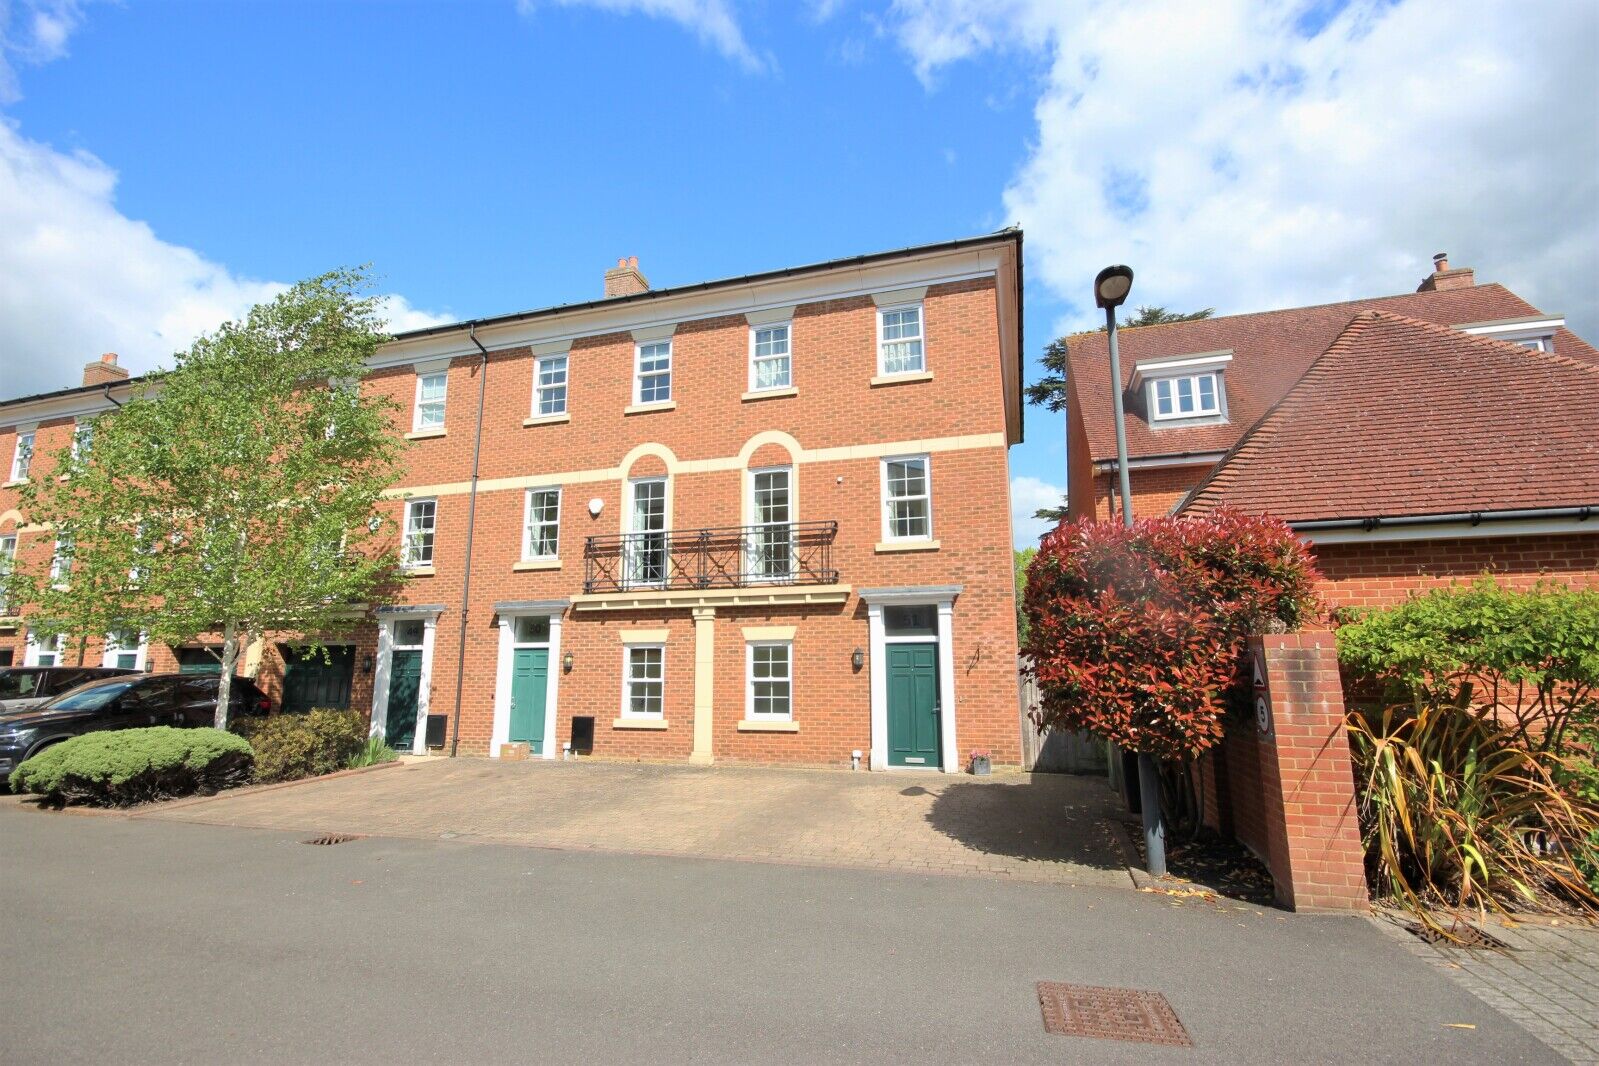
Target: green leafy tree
[(1024, 556), (1049, 391), (237, 493)]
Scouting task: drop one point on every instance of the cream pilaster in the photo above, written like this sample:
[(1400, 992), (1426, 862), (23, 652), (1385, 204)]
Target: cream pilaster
[(704, 682)]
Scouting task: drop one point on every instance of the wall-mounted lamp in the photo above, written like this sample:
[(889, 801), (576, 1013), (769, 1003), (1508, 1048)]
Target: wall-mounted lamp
[(367, 663), (857, 659), (566, 663)]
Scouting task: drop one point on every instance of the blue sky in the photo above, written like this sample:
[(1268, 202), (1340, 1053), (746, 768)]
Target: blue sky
[(168, 162)]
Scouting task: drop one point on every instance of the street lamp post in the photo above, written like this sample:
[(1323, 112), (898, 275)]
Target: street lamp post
[(1111, 287)]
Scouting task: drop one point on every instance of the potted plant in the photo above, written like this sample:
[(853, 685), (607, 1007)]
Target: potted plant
[(980, 762)]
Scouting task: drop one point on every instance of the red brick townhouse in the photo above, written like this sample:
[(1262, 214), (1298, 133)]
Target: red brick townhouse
[(1414, 440), (763, 518)]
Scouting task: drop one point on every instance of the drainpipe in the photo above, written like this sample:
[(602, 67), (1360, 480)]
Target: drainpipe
[(471, 521), (108, 396)]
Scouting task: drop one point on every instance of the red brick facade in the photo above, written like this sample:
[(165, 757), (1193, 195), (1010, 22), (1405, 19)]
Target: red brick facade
[(833, 428)]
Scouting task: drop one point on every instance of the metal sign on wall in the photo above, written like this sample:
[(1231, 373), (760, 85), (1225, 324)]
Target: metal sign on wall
[(1262, 695)]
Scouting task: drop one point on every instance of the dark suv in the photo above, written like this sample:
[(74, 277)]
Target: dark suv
[(128, 702), (22, 687)]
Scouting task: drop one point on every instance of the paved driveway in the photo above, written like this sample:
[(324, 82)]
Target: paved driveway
[(1025, 827)]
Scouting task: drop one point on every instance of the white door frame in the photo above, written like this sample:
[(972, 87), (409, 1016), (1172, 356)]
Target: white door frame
[(387, 617), (509, 612), (943, 598)]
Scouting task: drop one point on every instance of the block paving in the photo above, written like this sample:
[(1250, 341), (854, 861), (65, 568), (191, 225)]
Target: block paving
[(1051, 828), (1547, 982)]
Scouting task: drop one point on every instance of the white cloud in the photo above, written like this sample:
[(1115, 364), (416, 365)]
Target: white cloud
[(36, 31), (77, 277), (711, 21), (1028, 494), (1240, 159)]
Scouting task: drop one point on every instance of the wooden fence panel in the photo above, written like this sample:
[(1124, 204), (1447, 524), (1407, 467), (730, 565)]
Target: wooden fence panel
[(1058, 752)]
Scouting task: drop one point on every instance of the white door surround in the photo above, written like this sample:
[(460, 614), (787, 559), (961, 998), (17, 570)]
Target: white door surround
[(387, 617), (508, 612), (943, 598)]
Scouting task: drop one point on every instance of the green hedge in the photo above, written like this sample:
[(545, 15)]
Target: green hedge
[(125, 766), (292, 746)]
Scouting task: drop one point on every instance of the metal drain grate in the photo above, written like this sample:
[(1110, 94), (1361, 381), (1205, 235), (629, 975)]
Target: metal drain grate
[(331, 838), (1469, 936), (1110, 1014)]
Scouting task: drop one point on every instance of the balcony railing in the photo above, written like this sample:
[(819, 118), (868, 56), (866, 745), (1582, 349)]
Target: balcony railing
[(793, 553)]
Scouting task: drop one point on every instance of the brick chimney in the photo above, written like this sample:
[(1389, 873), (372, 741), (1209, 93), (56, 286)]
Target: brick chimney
[(624, 279), (104, 371), (1443, 277)]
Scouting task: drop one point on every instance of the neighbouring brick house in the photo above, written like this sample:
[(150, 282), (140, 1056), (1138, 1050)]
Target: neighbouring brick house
[(1413, 440), (763, 518)]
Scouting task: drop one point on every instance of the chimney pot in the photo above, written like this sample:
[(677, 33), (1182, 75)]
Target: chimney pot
[(1440, 262), (104, 371), (1444, 276), (624, 279)]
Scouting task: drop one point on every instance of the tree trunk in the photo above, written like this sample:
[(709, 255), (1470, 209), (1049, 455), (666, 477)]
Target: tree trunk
[(230, 658)]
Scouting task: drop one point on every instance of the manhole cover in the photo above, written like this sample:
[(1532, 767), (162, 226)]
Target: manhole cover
[(1110, 1014), (331, 838)]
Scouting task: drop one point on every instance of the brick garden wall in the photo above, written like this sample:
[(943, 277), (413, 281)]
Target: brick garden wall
[(1288, 792)]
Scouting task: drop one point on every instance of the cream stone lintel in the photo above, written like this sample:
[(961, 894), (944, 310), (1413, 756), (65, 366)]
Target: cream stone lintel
[(690, 598), (10, 622), (768, 632), (644, 636), (708, 466), (748, 726), (639, 723), (900, 296), (770, 315), (886, 546)]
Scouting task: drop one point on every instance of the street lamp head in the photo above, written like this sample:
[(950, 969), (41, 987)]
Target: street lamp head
[(1112, 286)]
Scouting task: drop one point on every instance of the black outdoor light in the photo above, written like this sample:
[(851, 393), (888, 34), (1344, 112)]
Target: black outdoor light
[(1112, 286), (368, 662), (566, 663), (857, 659)]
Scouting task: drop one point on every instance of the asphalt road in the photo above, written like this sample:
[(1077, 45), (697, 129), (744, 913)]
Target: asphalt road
[(141, 941)]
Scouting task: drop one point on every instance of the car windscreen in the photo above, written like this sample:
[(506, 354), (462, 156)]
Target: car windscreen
[(89, 699), (18, 684)]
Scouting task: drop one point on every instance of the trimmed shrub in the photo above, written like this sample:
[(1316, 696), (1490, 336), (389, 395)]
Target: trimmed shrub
[(1527, 659), (292, 746), (126, 766), (1137, 635)]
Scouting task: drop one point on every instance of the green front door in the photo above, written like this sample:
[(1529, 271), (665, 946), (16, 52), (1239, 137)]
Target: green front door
[(405, 683), (530, 675), (312, 679), (913, 705)]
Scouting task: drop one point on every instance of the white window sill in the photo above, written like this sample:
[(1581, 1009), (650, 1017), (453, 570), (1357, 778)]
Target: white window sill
[(769, 394), (902, 379), (14, 484), (639, 723), (417, 571), (10, 621), (538, 564), (757, 726), (424, 434), (648, 408), (907, 546), (547, 420)]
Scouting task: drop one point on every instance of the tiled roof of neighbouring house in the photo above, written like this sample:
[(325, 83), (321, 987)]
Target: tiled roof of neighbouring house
[(1403, 417), (1271, 350)]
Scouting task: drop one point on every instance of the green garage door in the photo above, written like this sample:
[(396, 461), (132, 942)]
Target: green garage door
[(199, 661), (317, 678)]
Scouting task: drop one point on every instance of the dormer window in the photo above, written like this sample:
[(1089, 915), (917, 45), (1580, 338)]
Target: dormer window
[(1533, 331), (1184, 387), (1193, 396)]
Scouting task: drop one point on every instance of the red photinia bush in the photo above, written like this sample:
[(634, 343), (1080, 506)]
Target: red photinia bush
[(1138, 634)]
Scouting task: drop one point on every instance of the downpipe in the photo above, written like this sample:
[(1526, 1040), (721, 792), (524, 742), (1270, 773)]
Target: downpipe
[(471, 524)]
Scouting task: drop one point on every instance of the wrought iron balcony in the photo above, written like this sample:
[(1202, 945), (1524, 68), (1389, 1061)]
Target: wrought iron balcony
[(793, 553)]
